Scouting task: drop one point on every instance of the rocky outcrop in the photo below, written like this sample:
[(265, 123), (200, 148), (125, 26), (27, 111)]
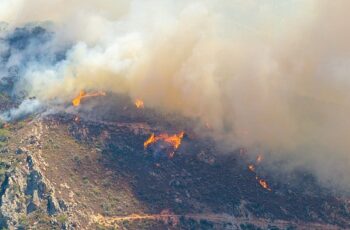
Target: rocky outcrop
[(25, 190), (13, 199)]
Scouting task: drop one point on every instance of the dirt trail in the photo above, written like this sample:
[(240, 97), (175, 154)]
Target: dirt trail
[(217, 218)]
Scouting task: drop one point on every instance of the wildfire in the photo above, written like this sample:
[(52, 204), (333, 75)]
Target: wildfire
[(174, 140), (259, 159), (149, 141), (264, 184), (139, 104), (82, 94), (251, 167), (77, 119)]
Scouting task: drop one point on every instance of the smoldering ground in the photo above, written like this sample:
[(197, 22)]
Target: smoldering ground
[(271, 76)]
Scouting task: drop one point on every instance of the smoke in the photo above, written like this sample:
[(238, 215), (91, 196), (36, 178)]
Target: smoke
[(271, 76), (27, 107)]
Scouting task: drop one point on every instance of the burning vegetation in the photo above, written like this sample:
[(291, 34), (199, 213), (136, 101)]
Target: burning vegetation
[(139, 104), (82, 94), (172, 141), (188, 178), (252, 168), (263, 183)]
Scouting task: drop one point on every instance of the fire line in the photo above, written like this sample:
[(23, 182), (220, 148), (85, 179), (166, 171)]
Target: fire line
[(82, 94), (173, 140), (139, 104)]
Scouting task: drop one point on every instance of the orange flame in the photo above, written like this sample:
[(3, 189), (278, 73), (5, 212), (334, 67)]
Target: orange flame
[(264, 184), (174, 140), (139, 104), (82, 94), (251, 167), (149, 141)]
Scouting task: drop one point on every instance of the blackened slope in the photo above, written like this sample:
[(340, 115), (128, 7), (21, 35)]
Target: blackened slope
[(186, 184)]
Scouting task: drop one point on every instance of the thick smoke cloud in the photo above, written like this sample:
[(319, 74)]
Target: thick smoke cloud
[(270, 76)]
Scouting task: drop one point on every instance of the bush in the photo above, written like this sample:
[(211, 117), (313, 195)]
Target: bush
[(62, 218)]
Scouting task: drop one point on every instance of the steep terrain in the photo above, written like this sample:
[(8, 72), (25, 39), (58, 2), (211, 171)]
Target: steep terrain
[(89, 169)]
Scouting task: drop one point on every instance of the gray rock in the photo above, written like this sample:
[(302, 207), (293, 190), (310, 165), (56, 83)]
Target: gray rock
[(4, 150), (34, 203), (19, 151), (53, 206), (62, 205), (3, 138)]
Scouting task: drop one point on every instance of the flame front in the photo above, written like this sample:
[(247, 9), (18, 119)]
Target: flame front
[(251, 167), (173, 140), (149, 141), (82, 94), (139, 104), (264, 184), (76, 100)]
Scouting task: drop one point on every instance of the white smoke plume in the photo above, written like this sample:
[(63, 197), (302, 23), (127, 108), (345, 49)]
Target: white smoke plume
[(27, 107), (269, 75)]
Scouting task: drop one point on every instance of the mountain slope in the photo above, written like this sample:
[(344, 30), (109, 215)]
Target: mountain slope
[(71, 171)]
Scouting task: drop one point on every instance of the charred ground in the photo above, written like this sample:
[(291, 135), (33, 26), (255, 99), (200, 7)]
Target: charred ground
[(95, 162)]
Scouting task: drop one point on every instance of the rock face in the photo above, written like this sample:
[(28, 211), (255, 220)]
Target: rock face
[(25, 191), (13, 199)]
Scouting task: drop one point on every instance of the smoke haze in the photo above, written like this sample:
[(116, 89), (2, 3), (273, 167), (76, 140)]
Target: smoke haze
[(271, 76)]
